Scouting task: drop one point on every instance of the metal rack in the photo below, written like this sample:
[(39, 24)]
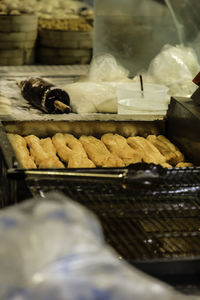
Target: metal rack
[(150, 215), (153, 224), (146, 214)]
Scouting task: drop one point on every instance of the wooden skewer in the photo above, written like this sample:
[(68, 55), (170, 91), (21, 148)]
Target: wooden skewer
[(141, 86), (61, 106)]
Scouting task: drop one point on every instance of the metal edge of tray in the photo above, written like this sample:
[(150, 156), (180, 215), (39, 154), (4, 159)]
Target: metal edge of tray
[(135, 172), (6, 149), (173, 266)]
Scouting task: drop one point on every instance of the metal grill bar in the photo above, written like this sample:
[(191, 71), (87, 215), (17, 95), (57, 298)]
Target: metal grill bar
[(138, 245), (139, 224)]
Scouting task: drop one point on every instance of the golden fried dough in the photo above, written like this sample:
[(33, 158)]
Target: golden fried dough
[(184, 165), (99, 154), (166, 165), (63, 151), (169, 150), (150, 154), (71, 151), (36, 149), (112, 150), (43, 153), (118, 146), (179, 157), (78, 158), (52, 161), (74, 144), (19, 145), (161, 147), (78, 161)]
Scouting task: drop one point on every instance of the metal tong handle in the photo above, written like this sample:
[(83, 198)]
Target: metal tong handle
[(45, 172)]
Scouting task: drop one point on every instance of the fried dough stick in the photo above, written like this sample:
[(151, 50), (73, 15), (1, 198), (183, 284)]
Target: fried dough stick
[(150, 154), (169, 150), (166, 165), (117, 145), (19, 145), (36, 149), (179, 157), (161, 147), (42, 158), (63, 151), (184, 165), (99, 154), (71, 151), (53, 161), (79, 158)]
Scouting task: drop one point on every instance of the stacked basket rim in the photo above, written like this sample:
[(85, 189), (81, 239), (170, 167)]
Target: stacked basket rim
[(64, 41), (18, 34)]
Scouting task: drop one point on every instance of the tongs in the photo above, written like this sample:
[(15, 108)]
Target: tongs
[(141, 173)]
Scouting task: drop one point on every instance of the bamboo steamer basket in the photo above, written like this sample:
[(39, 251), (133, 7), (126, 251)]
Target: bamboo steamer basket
[(18, 34), (59, 46), (61, 56), (66, 39)]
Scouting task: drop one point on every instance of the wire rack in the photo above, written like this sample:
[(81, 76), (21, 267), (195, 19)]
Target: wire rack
[(143, 219), (149, 215)]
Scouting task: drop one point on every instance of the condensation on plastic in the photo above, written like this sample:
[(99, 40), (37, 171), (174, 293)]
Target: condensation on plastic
[(136, 30), (187, 14)]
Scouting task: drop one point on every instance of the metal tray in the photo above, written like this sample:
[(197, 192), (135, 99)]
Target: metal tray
[(150, 215)]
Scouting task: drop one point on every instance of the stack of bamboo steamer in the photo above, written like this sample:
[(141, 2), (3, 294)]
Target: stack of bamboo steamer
[(18, 34), (64, 41)]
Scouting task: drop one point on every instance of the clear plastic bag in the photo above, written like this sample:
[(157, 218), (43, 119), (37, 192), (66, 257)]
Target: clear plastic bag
[(106, 68), (187, 15), (96, 92), (92, 97), (175, 67), (53, 248), (135, 31)]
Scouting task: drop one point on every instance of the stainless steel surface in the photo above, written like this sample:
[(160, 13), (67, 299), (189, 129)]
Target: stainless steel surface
[(44, 70), (60, 75)]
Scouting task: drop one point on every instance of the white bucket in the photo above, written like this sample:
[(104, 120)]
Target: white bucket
[(153, 98)]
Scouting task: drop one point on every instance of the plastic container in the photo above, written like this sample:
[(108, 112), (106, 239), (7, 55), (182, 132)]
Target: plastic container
[(153, 98)]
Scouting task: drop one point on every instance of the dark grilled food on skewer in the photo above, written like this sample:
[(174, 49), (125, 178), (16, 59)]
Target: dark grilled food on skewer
[(45, 96)]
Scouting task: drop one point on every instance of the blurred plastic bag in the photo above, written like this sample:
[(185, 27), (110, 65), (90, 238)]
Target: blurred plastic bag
[(175, 67), (96, 92), (92, 97), (106, 68), (186, 12), (37, 233), (54, 249)]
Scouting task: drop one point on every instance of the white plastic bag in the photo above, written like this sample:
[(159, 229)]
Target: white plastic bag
[(92, 97), (53, 248), (105, 68), (96, 92), (175, 67)]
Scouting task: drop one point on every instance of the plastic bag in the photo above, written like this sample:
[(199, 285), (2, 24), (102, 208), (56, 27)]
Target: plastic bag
[(96, 92), (54, 249), (175, 67), (186, 13), (37, 233), (92, 97), (106, 68)]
